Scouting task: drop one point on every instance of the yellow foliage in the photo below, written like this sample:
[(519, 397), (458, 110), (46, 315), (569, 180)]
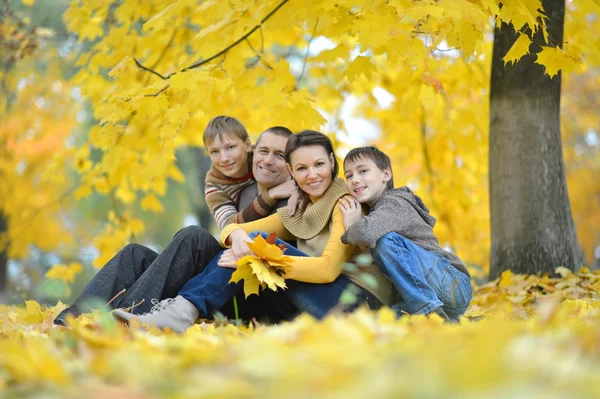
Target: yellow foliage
[(37, 115), (65, 273), (537, 337)]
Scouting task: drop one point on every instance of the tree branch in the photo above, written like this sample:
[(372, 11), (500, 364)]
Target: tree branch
[(312, 36), (426, 151), (150, 70), (158, 92), (220, 53)]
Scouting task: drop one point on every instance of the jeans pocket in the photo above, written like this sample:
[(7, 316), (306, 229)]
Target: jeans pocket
[(457, 291)]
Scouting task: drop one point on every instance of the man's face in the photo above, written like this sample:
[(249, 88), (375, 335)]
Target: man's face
[(269, 160)]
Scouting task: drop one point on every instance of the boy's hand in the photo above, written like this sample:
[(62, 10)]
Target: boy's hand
[(351, 209), (238, 239), (297, 200), (228, 259), (283, 190)]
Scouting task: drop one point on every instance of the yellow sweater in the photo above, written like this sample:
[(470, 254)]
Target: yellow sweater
[(318, 232)]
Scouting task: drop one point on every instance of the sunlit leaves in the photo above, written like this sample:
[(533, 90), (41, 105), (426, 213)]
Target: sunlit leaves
[(512, 340)]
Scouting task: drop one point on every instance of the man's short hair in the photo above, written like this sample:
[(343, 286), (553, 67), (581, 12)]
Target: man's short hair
[(220, 126), (277, 131), (380, 158)]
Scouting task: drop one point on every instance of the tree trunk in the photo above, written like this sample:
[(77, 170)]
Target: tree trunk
[(531, 222), (195, 165), (3, 262)]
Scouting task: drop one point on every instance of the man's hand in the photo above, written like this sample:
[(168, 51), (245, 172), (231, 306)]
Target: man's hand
[(283, 190), (298, 200), (228, 259), (238, 239), (351, 209)]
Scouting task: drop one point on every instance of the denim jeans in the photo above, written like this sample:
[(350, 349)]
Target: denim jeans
[(211, 289), (426, 281), (145, 275)]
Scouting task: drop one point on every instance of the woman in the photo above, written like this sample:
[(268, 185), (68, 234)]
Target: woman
[(316, 279)]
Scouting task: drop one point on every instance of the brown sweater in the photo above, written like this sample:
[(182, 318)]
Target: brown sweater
[(222, 197)]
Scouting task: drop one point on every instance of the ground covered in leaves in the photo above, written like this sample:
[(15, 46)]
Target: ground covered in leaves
[(523, 336)]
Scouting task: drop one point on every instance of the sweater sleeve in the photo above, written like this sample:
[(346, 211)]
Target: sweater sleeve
[(390, 215), (270, 224), (225, 211), (327, 267), (258, 209)]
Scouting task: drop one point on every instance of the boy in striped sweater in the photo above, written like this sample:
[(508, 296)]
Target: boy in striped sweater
[(230, 150)]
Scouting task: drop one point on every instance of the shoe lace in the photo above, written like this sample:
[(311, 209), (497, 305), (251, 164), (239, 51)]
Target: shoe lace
[(158, 306)]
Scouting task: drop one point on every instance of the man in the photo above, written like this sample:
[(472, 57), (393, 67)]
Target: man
[(137, 277)]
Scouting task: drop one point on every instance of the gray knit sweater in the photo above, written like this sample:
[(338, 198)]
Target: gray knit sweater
[(401, 211)]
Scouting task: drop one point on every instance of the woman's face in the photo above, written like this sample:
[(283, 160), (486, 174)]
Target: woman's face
[(312, 166)]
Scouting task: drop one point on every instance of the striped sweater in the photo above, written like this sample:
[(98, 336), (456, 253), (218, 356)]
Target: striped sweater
[(222, 195)]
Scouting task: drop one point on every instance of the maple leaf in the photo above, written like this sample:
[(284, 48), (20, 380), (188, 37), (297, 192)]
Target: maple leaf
[(269, 252), (518, 49), (64, 273), (263, 269), (556, 59), (245, 272), (360, 66), (431, 81)]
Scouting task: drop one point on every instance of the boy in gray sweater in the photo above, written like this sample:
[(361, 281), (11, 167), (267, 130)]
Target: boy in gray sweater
[(399, 231)]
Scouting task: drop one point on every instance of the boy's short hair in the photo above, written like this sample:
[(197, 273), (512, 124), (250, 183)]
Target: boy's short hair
[(220, 126), (277, 131), (380, 158)]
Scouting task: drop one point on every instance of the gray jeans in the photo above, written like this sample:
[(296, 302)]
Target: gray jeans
[(146, 275)]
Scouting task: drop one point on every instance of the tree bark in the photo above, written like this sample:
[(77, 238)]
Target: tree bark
[(532, 226), (3, 262), (195, 165)]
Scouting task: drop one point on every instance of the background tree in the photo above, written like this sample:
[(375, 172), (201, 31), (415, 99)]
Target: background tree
[(34, 126), (531, 219)]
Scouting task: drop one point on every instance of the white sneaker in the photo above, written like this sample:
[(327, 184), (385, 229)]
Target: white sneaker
[(178, 314)]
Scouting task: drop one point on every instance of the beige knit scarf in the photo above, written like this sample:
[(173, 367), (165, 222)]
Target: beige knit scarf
[(305, 225)]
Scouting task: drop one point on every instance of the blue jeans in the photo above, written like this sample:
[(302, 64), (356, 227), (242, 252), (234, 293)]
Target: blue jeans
[(210, 290), (426, 281)]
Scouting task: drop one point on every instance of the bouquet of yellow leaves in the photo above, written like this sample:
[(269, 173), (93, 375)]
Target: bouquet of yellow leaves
[(265, 268)]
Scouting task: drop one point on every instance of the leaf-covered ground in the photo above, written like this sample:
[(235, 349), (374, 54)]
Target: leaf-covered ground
[(523, 336)]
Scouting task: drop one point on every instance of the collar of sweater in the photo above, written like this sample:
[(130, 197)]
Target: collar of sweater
[(305, 225), (216, 177)]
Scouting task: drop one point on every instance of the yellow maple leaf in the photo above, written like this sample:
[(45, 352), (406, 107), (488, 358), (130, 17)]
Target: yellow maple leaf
[(265, 268), (518, 49), (360, 66), (556, 59), (246, 273), (268, 252), (64, 273), (152, 203)]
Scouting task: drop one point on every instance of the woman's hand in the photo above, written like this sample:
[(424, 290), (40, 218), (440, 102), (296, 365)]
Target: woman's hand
[(297, 200), (283, 190), (228, 259), (238, 239), (351, 209)]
